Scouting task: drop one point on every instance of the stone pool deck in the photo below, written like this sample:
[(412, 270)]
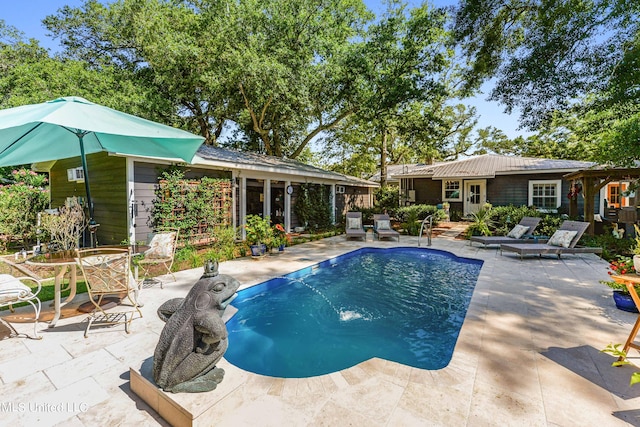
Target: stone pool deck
[(528, 354)]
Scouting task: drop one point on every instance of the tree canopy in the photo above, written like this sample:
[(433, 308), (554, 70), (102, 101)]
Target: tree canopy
[(567, 65)]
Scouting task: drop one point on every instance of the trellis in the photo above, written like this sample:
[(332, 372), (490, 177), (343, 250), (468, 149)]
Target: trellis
[(197, 207)]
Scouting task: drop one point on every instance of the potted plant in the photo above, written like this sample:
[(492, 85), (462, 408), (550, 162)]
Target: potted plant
[(280, 237), (621, 296), (64, 228), (258, 232)]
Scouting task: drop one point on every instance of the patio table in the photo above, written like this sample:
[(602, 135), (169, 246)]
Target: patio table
[(60, 263), (63, 261)]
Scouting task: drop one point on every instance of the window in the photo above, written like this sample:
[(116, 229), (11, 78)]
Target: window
[(451, 190), (545, 195)]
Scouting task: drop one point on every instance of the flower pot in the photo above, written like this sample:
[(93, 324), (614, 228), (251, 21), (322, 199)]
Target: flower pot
[(281, 248), (624, 301), (258, 250)]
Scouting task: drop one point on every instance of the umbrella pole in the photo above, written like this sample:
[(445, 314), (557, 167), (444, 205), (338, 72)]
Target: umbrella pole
[(92, 223)]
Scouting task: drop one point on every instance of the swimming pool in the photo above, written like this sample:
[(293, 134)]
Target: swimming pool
[(401, 304)]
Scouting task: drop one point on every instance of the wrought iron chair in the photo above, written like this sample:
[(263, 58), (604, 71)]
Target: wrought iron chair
[(107, 271), (13, 290), (162, 249)]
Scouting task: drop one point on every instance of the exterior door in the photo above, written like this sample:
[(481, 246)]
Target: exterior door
[(475, 195)]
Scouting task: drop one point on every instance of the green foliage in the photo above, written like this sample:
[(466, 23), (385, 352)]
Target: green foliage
[(583, 44), (313, 206), (387, 198), (505, 217), (411, 217), (620, 265), (47, 292), (481, 223), (611, 246), (190, 255), (225, 243), (20, 203), (200, 209), (622, 360), (258, 230)]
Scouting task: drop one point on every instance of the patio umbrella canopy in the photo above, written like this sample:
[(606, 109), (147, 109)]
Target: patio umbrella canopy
[(72, 126)]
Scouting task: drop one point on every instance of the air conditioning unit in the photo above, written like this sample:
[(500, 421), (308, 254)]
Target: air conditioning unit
[(411, 195), (339, 189), (75, 174)]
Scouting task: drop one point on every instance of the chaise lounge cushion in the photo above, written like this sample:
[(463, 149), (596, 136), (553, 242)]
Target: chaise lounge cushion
[(12, 289), (353, 223), (562, 238), (383, 224), (518, 231)]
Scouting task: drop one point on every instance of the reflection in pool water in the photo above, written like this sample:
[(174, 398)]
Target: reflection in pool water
[(401, 304)]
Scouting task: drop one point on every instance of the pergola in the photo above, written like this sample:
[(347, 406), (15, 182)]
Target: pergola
[(593, 180)]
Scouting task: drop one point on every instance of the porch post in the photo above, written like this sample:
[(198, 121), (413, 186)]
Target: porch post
[(333, 203), (132, 204), (287, 207), (243, 205), (266, 204), (589, 195)]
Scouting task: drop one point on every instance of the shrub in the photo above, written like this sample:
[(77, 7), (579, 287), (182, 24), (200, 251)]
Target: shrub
[(313, 206), (20, 203), (387, 199), (412, 216)]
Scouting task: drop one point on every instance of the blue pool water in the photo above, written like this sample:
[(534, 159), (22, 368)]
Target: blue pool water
[(401, 304)]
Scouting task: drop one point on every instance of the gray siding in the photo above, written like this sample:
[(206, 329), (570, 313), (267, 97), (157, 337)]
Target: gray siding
[(145, 183)]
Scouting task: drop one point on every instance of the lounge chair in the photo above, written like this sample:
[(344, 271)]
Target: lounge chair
[(563, 241), (354, 227), (382, 227), (517, 235)]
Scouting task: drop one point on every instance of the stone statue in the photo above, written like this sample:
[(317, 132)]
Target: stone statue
[(194, 338)]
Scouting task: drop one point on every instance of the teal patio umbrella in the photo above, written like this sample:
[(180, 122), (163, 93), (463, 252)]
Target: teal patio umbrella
[(72, 127)]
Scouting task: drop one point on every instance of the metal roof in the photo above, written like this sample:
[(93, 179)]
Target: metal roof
[(490, 165), (226, 158)]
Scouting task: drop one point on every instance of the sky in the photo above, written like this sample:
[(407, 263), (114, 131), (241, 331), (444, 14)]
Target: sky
[(28, 19)]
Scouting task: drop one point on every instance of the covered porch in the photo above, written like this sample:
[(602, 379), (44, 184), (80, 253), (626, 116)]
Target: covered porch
[(611, 189)]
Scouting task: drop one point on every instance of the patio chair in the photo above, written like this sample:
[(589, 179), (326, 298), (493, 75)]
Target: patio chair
[(563, 241), (382, 227), (354, 226), (13, 290), (107, 272), (521, 233), (162, 249)]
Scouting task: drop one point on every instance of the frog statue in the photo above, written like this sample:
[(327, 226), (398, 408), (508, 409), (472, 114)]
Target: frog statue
[(194, 337)]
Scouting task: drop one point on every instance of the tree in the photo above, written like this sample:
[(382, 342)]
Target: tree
[(404, 62), (276, 69), (547, 55)]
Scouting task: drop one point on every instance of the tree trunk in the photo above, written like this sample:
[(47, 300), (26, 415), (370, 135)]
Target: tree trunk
[(383, 159)]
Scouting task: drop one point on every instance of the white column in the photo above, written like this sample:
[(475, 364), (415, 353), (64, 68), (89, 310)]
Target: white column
[(234, 199), (243, 205), (333, 203), (266, 205), (131, 202)]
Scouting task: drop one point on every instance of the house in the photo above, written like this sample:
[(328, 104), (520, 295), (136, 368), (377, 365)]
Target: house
[(123, 187), (500, 180)]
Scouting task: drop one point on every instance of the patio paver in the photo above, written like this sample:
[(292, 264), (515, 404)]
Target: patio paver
[(528, 354)]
